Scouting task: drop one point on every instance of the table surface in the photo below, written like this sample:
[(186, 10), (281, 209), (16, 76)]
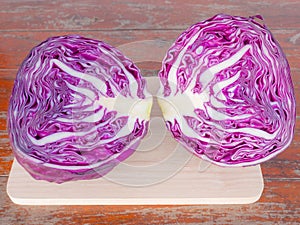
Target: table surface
[(24, 24)]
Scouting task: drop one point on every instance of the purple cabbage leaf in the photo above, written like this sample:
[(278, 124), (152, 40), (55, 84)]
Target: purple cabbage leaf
[(78, 108), (226, 92)]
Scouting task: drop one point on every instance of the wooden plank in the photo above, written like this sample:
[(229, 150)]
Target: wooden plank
[(5, 92), (280, 204), (136, 14), (19, 44)]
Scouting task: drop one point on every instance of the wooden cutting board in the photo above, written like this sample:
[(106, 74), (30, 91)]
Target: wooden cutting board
[(160, 172)]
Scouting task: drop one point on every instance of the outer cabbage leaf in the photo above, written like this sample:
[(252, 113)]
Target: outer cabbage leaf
[(226, 91), (78, 108)]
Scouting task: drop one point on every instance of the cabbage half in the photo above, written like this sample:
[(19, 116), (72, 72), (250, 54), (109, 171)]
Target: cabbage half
[(226, 92), (78, 108)]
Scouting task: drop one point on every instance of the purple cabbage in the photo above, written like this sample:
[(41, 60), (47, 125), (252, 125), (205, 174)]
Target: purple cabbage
[(73, 109), (226, 91)]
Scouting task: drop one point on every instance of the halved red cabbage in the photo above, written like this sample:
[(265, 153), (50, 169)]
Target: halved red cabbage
[(226, 91), (78, 108)]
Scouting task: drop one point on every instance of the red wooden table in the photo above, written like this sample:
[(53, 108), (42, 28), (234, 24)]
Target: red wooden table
[(24, 24)]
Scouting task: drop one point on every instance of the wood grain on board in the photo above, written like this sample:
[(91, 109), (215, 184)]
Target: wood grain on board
[(24, 24)]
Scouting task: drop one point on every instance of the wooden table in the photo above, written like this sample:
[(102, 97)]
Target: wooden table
[(24, 24)]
